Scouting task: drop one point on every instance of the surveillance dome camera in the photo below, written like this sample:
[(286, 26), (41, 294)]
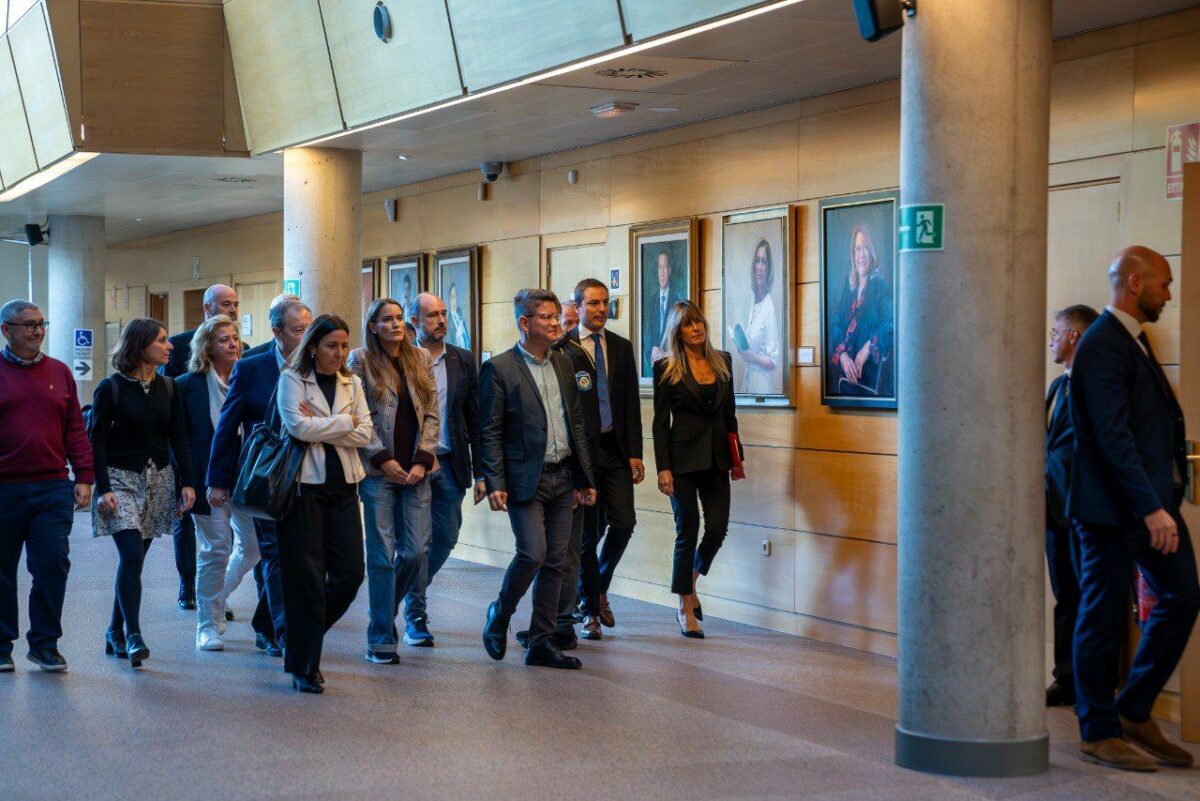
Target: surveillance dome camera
[(491, 170)]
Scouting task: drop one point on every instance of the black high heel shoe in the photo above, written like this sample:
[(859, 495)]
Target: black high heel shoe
[(692, 634), (307, 684), (114, 644), (137, 650), (698, 611)]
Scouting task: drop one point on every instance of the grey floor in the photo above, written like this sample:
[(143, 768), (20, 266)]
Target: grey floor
[(746, 713)]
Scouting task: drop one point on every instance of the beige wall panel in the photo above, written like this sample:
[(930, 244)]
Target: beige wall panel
[(64, 27), (868, 137), (808, 245), (457, 217), (1091, 106), (646, 18), (508, 265), (153, 77), (849, 581), (17, 160), (498, 42), (377, 79), (37, 74), (1154, 221), (1168, 88), (1165, 334), (381, 236), (284, 76), (498, 328), (767, 500), (568, 266), (710, 229), (572, 207), (848, 494), (736, 171)]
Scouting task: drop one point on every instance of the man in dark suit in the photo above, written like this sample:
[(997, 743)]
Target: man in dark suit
[(536, 466), (657, 308), (1069, 325), (612, 412), (251, 387), (218, 299), (459, 459), (1126, 488), (270, 343)]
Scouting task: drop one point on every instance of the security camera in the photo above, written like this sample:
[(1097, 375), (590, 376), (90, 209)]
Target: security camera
[(491, 170)]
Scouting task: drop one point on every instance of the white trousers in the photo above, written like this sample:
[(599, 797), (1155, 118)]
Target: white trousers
[(226, 550)]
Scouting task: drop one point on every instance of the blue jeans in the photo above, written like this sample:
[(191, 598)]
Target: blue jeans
[(36, 516), (398, 532), (447, 498)]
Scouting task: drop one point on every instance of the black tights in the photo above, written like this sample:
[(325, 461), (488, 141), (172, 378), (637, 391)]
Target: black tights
[(131, 549)]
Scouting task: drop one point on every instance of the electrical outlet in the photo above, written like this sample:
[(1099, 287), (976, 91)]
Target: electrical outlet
[(765, 547)]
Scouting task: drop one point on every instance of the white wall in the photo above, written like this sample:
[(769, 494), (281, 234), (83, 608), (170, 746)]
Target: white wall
[(14, 273)]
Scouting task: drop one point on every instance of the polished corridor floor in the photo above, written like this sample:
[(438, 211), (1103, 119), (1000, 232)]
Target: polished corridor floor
[(744, 714)]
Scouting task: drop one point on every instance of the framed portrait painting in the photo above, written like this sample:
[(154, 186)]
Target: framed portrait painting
[(756, 296), (858, 300), (456, 275), (665, 271), (405, 279)]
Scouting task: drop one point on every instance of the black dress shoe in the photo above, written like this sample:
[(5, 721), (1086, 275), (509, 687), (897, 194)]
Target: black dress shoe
[(307, 684), (565, 642), (319, 677), (547, 654), (114, 644), (48, 659), (1060, 695), (228, 615), (137, 650), (495, 632), (187, 604), (523, 638)]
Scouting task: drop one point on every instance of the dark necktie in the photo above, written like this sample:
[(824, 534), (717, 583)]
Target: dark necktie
[(1063, 397), (602, 386)]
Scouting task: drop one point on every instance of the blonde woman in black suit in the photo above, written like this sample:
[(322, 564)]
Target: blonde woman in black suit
[(693, 418)]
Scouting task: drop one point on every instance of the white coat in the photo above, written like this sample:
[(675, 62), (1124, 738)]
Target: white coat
[(333, 426)]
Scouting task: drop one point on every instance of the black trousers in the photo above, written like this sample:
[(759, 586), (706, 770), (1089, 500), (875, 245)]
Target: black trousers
[(542, 527), (184, 534), (614, 525), (568, 593), (706, 490), (1062, 560), (321, 560), (268, 615)]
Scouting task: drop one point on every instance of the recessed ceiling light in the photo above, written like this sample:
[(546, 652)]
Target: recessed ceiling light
[(613, 109), (665, 109), (402, 157), (139, 219)]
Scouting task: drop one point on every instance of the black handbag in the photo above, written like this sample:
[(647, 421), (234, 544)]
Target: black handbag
[(269, 468)]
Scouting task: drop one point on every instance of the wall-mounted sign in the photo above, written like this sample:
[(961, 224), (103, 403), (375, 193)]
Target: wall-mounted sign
[(922, 226), (83, 362), (1183, 147), (292, 285), (614, 278)]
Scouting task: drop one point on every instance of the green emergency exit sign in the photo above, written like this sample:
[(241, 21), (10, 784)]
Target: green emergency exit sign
[(922, 226)]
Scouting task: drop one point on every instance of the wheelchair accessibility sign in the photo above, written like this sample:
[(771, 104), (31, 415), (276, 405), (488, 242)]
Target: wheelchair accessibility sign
[(81, 365)]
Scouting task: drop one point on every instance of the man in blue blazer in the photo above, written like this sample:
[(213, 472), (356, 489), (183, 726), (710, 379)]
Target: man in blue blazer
[(251, 387), (1126, 488)]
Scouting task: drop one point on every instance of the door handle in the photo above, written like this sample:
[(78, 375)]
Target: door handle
[(1189, 481)]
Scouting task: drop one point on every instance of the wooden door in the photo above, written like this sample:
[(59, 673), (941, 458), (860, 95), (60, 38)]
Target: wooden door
[(255, 302), (1189, 398), (193, 309)]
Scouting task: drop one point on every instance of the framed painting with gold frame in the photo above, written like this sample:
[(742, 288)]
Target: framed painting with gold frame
[(665, 267)]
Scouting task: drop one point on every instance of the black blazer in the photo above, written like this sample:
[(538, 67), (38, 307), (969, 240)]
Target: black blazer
[(1060, 450), (513, 425), (623, 391), (180, 356), (462, 414), (1129, 431), (688, 434), (250, 387), (259, 349), (193, 388)]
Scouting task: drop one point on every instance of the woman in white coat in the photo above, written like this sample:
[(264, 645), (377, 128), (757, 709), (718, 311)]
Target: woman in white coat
[(321, 538)]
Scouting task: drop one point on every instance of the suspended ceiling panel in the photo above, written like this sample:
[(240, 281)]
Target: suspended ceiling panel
[(502, 41), (13, 10), (283, 71), (16, 148), (646, 18), (377, 79), (37, 74)]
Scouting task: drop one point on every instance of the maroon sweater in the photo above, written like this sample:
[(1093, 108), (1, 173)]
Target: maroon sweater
[(41, 426)]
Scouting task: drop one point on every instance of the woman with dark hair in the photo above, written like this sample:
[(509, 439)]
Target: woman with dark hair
[(758, 345), (137, 427), (693, 418), (398, 381), (860, 333), (321, 539)]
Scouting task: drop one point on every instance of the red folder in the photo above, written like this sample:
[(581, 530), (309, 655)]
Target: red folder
[(735, 451)]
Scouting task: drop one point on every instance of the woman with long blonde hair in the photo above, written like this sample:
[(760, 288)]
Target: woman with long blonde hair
[(693, 420), (397, 377)]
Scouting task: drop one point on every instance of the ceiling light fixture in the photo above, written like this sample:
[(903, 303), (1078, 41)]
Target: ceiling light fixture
[(590, 62), (40, 179), (402, 157), (613, 109)]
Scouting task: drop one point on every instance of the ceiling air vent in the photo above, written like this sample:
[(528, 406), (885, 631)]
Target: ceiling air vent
[(629, 72), (235, 180)]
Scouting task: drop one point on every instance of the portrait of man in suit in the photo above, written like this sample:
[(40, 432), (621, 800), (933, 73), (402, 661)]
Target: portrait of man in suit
[(664, 282)]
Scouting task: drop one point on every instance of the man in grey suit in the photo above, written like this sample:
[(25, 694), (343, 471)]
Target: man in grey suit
[(536, 466)]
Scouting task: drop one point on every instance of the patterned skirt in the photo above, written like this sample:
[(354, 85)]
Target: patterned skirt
[(145, 502)]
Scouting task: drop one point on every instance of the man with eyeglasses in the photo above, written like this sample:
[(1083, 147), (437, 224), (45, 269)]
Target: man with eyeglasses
[(41, 430), (1061, 553)]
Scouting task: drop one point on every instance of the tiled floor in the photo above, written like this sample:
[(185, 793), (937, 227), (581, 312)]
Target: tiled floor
[(746, 713)]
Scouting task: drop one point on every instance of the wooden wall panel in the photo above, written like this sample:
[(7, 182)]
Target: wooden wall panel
[(455, 216), (381, 236), (1091, 106), (573, 207), (845, 494), (498, 328), (17, 160), (375, 79), (1154, 221), (235, 140), (41, 89), (499, 42), (508, 265), (153, 77), (1167, 91), (647, 18), (284, 76), (869, 135), (846, 580)]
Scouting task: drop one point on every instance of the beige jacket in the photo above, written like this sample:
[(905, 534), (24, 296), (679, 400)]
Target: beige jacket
[(333, 426)]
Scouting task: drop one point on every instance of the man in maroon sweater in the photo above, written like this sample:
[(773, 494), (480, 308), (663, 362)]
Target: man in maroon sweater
[(41, 429)]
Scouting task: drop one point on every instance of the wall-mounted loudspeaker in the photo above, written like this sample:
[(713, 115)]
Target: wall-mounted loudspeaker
[(34, 234), (878, 18)]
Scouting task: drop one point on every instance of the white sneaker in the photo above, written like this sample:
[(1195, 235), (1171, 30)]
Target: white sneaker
[(208, 641)]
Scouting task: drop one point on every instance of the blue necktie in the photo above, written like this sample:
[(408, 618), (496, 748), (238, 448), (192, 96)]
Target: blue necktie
[(602, 386)]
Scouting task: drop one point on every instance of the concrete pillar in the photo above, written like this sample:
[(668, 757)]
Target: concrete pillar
[(322, 230), (76, 294), (975, 85)]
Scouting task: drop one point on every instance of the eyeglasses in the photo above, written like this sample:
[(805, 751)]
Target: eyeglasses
[(33, 326), (545, 318)]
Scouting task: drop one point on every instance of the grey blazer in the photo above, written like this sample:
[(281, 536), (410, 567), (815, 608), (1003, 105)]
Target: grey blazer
[(383, 414)]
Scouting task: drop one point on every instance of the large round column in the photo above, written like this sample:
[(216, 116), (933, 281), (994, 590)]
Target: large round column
[(975, 85), (322, 230), (76, 295)]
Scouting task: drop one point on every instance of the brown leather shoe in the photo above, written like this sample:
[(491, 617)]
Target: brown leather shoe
[(1113, 752), (606, 614), (1149, 737)]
